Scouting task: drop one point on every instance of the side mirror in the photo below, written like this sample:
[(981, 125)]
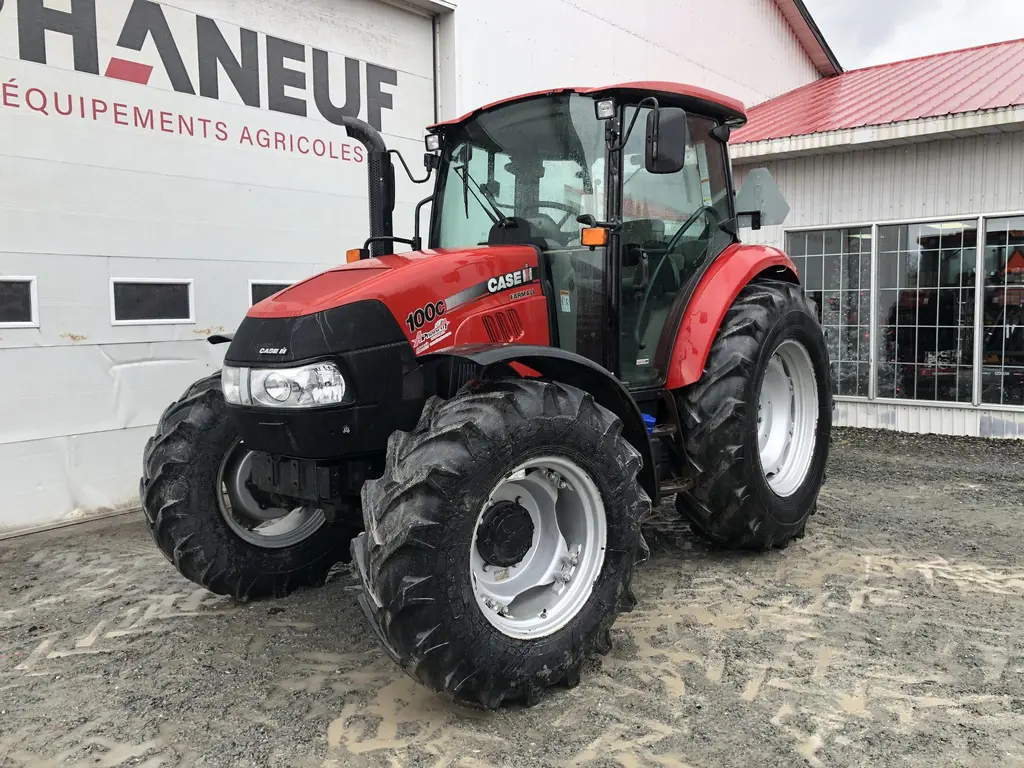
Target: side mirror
[(668, 136)]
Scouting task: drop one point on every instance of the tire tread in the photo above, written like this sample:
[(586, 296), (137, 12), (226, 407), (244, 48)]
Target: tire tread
[(721, 506)]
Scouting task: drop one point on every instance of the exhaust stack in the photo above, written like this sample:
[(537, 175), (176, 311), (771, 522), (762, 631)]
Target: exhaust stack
[(381, 183)]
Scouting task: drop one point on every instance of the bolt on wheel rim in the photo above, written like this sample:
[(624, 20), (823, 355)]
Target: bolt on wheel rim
[(787, 418), (270, 528), (552, 582)]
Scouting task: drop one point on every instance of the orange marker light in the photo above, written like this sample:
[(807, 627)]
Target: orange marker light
[(592, 237), (352, 254)]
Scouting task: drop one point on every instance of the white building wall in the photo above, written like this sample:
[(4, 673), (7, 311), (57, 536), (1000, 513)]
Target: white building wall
[(84, 199), (742, 48), (955, 178)]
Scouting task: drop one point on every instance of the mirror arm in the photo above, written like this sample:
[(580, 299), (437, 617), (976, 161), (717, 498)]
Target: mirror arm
[(412, 178), (588, 220), (386, 238), (648, 101), (417, 241)]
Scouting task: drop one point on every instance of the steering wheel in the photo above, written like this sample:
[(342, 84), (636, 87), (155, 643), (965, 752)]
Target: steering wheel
[(570, 210), (713, 217), (644, 315)]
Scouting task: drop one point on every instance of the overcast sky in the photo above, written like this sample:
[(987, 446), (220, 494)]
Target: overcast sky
[(866, 32)]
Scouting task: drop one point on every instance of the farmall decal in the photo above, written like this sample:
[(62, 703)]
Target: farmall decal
[(169, 48)]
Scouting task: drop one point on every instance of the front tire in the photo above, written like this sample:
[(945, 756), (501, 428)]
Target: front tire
[(194, 457), (758, 423), (490, 457)]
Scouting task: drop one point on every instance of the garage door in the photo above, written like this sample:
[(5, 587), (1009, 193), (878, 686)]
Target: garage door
[(161, 166)]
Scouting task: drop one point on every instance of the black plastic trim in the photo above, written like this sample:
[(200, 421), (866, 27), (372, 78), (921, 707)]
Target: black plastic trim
[(575, 370), (384, 381), (347, 328)]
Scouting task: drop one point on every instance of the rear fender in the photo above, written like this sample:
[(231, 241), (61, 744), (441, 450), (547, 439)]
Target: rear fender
[(564, 367), (715, 293)]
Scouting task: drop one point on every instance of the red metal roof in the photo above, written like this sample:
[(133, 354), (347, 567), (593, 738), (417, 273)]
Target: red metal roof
[(730, 106), (968, 80)]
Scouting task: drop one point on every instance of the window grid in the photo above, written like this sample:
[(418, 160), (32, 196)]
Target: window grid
[(926, 311), (835, 269), (1002, 375)]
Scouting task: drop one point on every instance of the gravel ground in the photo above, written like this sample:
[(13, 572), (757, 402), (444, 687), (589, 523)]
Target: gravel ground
[(890, 636)]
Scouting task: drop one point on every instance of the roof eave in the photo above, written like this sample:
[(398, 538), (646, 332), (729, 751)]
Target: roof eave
[(1002, 120), (810, 37)]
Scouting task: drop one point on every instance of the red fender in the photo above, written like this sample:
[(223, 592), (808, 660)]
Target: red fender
[(715, 293)]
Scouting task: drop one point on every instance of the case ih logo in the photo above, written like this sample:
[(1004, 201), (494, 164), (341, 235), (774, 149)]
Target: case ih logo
[(285, 61)]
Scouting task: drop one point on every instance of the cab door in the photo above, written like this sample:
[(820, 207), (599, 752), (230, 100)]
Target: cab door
[(670, 227)]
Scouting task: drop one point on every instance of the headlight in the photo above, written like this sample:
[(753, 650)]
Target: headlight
[(307, 386)]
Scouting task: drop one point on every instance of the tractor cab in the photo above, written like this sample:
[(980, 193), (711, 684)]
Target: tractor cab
[(625, 192)]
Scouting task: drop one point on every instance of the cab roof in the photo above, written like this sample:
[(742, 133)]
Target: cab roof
[(669, 94)]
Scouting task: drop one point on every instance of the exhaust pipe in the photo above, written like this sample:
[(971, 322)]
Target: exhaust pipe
[(381, 181)]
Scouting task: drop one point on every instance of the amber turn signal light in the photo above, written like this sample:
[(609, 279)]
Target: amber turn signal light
[(592, 237), (352, 254)]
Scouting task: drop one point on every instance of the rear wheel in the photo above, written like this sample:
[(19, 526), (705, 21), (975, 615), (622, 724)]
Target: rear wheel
[(205, 518), (758, 423), (500, 542)]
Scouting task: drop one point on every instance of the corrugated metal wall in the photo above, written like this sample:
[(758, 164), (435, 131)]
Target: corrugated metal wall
[(970, 176), (964, 177), (931, 419)]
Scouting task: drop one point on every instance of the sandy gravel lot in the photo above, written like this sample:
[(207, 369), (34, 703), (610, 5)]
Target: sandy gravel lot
[(893, 635)]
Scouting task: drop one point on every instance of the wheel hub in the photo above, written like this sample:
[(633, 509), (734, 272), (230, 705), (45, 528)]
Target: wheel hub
[(265, 526), (505, 534), (538, 547), (787, 417)]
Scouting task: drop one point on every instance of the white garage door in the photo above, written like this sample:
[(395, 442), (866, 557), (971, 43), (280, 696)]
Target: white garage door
[(158, 165)]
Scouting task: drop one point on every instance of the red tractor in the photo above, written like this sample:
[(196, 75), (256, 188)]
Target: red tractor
[(484, 423)]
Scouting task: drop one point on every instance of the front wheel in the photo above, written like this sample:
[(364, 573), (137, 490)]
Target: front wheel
[(500, 542), (759, 421), (204, 516)]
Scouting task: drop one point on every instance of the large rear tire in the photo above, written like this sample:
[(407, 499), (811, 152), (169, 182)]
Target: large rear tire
[(196, 504), (758, 424), (500, 542)]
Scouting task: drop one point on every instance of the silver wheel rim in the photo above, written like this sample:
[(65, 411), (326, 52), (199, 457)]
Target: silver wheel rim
[(787, 418), (553, 581), (272, 528)]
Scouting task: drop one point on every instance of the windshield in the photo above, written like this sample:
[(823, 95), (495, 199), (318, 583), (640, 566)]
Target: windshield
[(541, 160)]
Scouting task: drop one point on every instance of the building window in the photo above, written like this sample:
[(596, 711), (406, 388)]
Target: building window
[(835, 269), (146, 301), (18, 302), (262, 289), (1002, 352), (926, 275)]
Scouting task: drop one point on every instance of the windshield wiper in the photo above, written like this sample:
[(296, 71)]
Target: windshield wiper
[(490, 208)]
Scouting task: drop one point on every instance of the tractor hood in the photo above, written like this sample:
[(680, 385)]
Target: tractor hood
[(374, 302)]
